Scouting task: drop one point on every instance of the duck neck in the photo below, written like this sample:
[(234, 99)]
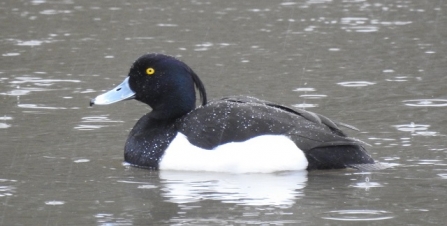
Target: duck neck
[(173, 105), (170, 112)]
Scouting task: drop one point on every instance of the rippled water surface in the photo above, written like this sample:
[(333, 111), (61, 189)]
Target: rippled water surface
[(380, 66)]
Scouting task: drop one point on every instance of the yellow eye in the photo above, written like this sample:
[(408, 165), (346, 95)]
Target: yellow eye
[(150, 71)]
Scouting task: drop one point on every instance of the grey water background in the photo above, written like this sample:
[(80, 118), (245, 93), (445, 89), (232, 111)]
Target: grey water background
[(378, 65)]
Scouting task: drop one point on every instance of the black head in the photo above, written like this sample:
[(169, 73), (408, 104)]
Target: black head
[(166, 84), (163, 82)]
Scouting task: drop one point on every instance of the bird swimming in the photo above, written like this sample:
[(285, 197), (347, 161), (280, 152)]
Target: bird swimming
[(236, 134)]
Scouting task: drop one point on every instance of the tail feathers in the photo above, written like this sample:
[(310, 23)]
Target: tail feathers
[(338, 157)]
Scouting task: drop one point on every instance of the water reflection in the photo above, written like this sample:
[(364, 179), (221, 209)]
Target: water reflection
[(358, 24), (304, 89), (39, 106), (398, 79), (412, 127), (356, 83), (96, 122), (108, 219), (426, 103), (367, 184), (6, 187), (4, 125), (54, 203), (430, 162), (10, 54), (357, 215), (313, 96), (24, 85), (305, 105), (245, 189), (308, 96), (416, 129), (81, 160)]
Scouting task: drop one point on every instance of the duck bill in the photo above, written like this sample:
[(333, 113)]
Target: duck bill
[(119, 93)]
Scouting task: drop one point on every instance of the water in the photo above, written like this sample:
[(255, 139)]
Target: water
[(378, 66)]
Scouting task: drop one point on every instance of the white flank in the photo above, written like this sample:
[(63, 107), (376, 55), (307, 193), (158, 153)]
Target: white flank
[(261, 154)]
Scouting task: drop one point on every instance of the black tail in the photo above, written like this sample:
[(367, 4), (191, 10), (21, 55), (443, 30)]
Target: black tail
[(338, 157)]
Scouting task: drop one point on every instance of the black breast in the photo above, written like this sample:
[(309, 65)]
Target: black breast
[(147, 141)]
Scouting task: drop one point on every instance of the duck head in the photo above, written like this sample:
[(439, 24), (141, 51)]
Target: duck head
[(163, 82)]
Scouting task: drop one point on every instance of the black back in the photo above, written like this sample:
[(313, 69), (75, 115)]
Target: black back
[(237, 119)]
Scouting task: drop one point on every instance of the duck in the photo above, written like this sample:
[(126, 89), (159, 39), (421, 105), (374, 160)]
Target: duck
[(236, 134)]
